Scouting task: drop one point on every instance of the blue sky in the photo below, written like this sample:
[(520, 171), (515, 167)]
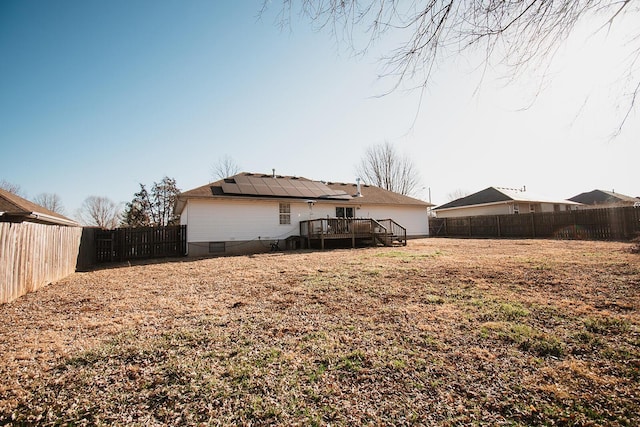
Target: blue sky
[(96, 97)]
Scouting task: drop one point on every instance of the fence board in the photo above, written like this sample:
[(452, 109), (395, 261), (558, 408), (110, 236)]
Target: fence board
[(621, 223), (34, 255), (122, 244)]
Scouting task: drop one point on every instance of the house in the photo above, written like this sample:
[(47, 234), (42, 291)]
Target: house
[(501, 201), (14, 208), (249, 213), (602, 199)]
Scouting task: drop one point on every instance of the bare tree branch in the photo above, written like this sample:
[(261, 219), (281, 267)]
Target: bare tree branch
[(224, 167), (50, 201), (12, 188), (384, 167), (517, 34), (99, 212)]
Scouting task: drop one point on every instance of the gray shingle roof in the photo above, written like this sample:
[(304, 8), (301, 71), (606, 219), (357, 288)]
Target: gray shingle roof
[(496, 195), (291, 187), (16, 206), (601, 197)]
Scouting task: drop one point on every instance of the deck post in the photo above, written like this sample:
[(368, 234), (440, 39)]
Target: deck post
[(353, 233), (322, 234), (372, 229)]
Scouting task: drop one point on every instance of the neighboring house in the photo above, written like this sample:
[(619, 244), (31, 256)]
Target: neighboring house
[(248, 213), (501, 201), (16, 209), (605, 199)]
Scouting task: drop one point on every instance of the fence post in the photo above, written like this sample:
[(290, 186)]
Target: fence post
[(625, 226), (533, 224)]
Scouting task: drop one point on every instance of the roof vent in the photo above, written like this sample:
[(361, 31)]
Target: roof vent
[(358, 192)]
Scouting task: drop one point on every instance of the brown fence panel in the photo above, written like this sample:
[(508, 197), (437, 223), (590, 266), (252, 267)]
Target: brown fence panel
[(436, 227), (621, 223), (124, 244), (34, 255), (516, 226), (484, 226)]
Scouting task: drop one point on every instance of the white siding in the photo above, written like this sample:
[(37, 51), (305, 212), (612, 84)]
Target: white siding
[(413, 218), (239, 220), (228, 220)]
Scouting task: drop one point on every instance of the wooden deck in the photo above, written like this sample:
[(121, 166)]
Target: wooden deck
[(352, 232)]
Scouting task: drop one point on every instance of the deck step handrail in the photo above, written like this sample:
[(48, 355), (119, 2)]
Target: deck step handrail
[(398, 232)]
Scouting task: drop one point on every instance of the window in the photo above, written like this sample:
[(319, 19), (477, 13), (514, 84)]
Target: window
[(344, 212), (285, 213), (516, 208), (216, 247)]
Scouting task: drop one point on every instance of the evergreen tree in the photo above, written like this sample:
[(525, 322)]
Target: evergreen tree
[(155, 208)]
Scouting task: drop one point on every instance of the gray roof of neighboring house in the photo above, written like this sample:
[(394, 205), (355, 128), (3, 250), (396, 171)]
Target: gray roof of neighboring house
[(254, 185), (498, 194), (13, 206), (601, 197)]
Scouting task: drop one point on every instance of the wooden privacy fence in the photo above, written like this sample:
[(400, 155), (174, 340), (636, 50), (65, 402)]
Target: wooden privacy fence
[(621, 223), (34, 255), (123, 244)]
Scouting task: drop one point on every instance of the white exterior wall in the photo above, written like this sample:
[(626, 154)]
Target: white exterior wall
[(413, 218), (228, 220)]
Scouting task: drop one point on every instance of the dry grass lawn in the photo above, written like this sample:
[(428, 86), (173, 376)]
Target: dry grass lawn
[(440, 332)]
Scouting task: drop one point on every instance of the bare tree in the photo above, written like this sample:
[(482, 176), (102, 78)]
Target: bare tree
[(224, 168), (50, 201), (516, 33), (99, 212), (11, 188), (457, 194), (384, 167)]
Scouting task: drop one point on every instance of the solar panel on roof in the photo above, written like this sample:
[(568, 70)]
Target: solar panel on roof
[(276, 187), (262, 188), (266, 185), (309, 189), (291, 190), (247, 188), (230, 188)]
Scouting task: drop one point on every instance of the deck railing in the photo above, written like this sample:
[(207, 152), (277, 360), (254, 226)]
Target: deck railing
[(377, 231), (397, 232)]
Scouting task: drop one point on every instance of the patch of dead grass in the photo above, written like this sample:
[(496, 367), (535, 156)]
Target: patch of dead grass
[(441, 332)]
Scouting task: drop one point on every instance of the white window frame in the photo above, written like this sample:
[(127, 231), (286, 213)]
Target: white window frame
[(344, 209), (285, 213)]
